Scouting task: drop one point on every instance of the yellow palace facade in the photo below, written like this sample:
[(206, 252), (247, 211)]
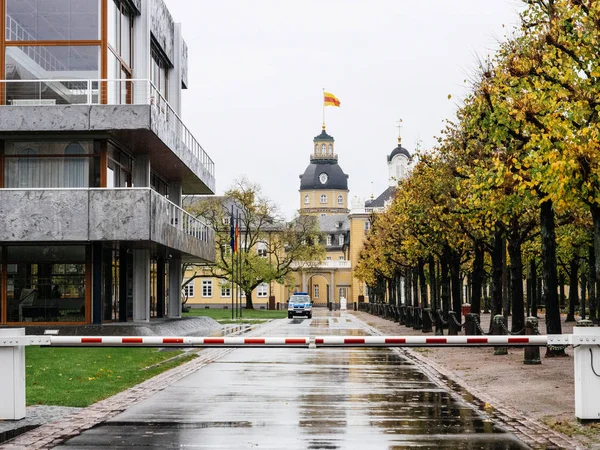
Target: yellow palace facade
[(323, 194)]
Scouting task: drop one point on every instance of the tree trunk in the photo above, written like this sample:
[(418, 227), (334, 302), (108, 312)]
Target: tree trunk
[(497, 275), (456, 282), (573, 299), (561, 290), (249, 304), (583, 289), (516, 285), (592, 283), (596, 219), (415, 285), (505, 285), (408, 288), (477, 278), (445, 280), (433, 283), (423, 284), (549, 275), (534, 288)]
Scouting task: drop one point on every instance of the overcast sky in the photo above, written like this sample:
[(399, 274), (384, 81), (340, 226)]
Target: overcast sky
[(257, 69)]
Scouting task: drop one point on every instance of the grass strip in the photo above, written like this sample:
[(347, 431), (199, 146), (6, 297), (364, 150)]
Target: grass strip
[(79, 377), (248, 315)]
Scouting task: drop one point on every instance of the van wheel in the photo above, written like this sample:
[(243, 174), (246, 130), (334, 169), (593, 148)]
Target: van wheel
[(290, 315), (310, 315)]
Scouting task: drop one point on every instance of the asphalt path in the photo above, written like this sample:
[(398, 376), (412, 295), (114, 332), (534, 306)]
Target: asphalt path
[(336, 398)]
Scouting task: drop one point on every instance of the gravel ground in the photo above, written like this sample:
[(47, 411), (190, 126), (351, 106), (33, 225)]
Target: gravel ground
[(543, 393)]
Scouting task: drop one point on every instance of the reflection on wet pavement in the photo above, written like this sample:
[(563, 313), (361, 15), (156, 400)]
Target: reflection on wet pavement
[(302, 399)]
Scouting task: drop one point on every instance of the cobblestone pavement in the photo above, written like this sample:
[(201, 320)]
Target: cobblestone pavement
[(57, 431), (515, 415)]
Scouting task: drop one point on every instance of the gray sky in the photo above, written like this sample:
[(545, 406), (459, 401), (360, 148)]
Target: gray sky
[(257, 69)]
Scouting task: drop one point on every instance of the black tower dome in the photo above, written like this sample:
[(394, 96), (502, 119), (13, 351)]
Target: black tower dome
[(323, 172)]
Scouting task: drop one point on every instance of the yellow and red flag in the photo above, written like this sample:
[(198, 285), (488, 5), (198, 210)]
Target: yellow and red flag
[(330, 99)]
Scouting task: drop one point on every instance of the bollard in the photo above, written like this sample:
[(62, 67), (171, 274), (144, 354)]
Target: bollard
[(355, 306), (12, 374), (531, 355), (439, 323), (418, 318), (402, 315), (471, 321), (453, 328), (498, 329), (409, 316), (427, 321)]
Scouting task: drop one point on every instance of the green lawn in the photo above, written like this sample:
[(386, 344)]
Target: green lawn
[(248, 315), (82, 376)]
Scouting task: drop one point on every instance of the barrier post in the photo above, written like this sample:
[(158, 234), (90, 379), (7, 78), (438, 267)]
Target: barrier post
[(586, 350), (427, 322), (12, 374), (499, 329), (531, 355), (471, 320), (453, 328)]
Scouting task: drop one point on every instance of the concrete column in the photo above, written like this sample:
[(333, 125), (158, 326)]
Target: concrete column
[(175, 288), (160, 287), (141, 171), (141, 53), (332, 288), (141, 285), (175, 73), (175, 192), (304, 282), (97, 288)]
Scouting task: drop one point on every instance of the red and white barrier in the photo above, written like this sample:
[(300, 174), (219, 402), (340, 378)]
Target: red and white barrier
[(157, 341), (438, 341)]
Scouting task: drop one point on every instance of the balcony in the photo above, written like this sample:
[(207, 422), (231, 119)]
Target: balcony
[(328, 264), (84, 215), (133, 111)]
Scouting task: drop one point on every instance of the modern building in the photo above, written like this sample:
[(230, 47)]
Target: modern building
[(94, 160)]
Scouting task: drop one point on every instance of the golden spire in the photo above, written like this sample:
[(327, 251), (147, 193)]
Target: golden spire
[(399, 132)]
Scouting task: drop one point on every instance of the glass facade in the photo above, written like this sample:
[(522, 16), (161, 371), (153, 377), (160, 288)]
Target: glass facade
[(46, 283), (52, 20), (55, 164)]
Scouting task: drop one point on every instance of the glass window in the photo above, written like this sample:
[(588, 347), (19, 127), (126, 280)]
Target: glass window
[(225, 289), (341, 258), (262, 290), (46, 284), (44, 20), (323, 198), (188, 290), (340, 199), (56, 164), (261, 249), (306, 199), (316, 291), (341, 239), (206, 288), (329, 239)]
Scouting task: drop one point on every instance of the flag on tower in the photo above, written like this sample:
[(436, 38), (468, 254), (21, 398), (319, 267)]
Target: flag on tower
[(330, 99)]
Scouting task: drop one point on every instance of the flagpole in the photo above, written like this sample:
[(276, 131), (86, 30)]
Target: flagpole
[(231, 244), (240, 272), (323, 99)]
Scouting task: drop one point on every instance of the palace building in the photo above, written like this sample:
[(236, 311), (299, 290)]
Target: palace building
[(94, 160), (323, 193)]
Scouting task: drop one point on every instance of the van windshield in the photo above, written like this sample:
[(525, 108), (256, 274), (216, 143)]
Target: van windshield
[(300, 298)]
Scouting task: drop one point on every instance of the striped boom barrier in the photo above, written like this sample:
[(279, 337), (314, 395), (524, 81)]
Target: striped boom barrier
[(439, 341), (157, 341)]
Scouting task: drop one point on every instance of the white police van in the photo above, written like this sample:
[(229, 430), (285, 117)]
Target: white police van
[(300, 304)]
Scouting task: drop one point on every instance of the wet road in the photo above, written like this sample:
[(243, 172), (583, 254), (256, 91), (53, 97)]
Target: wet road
[(302, 399)]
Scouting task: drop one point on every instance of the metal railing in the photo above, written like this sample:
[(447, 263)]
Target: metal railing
[(184, 221), (51, 92)]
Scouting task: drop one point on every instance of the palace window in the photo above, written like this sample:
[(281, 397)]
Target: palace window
[(207, 288), (340, 199), (262, 290), (188, 290), (323, 198), (225, 289), (316, 291), (329, 239), (341, 239), (261, 249), (306, 199)]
